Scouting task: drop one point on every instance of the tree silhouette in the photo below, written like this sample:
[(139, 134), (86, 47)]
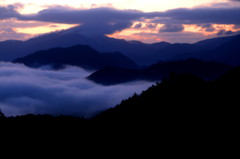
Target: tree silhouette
[(180, 101), (1, 114)]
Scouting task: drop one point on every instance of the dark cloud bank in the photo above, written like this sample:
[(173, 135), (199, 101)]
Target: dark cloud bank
[(67, 92), (98, 21), (8, 12), (102, 21), (172, 28)]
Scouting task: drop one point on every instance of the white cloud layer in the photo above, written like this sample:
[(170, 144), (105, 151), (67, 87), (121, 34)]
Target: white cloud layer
[(66, 92)]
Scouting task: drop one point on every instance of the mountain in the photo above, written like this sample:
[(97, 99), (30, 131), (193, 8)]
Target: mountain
[(181, 51), (182, 100), (228, 52), (222, 49), (159, 71), (213, 43), (203, 69), (114, 75), (10, 50), (144, 54), (182, 106), (78, 55)]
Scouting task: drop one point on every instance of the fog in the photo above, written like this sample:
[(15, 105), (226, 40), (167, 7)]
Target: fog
[(25, 90)]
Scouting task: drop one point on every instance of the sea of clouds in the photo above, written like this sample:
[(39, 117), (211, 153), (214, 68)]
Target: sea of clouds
[(25, 90)]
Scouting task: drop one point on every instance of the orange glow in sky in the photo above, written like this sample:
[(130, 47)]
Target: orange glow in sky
[(142, 33), (32, 6), (44, 29)]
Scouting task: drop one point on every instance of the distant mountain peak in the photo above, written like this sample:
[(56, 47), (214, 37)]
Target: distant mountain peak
[(141, 53), (204, 69), (135, 42), (79, 55)]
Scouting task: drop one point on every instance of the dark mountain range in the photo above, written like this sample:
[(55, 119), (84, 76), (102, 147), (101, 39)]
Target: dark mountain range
[(113, 75), (159, 71), (182, 100), (183, 109), (210, 50), (176, 52), (228, 52), (79, 55), (67, 38), (213, 43), (144, 54)]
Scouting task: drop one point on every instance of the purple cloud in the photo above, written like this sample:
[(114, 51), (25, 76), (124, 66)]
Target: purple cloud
[(151, 26), (227, 33), (97, 21), (138, 26), (207, 27), (101, 21), (171, 28), (8, 12), (7, 33), (200, 16)]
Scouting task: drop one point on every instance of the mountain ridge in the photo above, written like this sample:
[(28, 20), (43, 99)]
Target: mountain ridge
[(161, 70), (79, 55), (181, 100), (141, 53)]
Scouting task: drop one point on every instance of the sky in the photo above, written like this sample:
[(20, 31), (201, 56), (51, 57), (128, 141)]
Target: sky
[(147, 21)]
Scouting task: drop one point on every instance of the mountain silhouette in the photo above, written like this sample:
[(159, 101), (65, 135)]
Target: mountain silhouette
[(114, 75), (214, 42), (79, 55), (180, 102), (1, 114), (183, 100), (203, 69), (67, 38), (228, 52), (205, 50), (143, 54)]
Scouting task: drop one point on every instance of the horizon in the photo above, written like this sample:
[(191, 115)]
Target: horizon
[(131, 40), (173, 21)]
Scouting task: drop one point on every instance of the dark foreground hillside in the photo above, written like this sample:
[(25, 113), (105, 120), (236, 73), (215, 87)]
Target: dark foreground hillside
[(182, 100)]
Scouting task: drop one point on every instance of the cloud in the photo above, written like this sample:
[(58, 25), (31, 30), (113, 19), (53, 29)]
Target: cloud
[(109, 20), (14, 23), (138, 26), (151, 26), (236, 27), (96, 21), (186, 37), (7, 33), (207, 27), (200, 16), (171, 28), (102, 21), (112, 16), (38, 91), (227, 33), (8, 12)]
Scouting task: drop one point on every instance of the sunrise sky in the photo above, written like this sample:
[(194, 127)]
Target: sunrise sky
[(148, 21)]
